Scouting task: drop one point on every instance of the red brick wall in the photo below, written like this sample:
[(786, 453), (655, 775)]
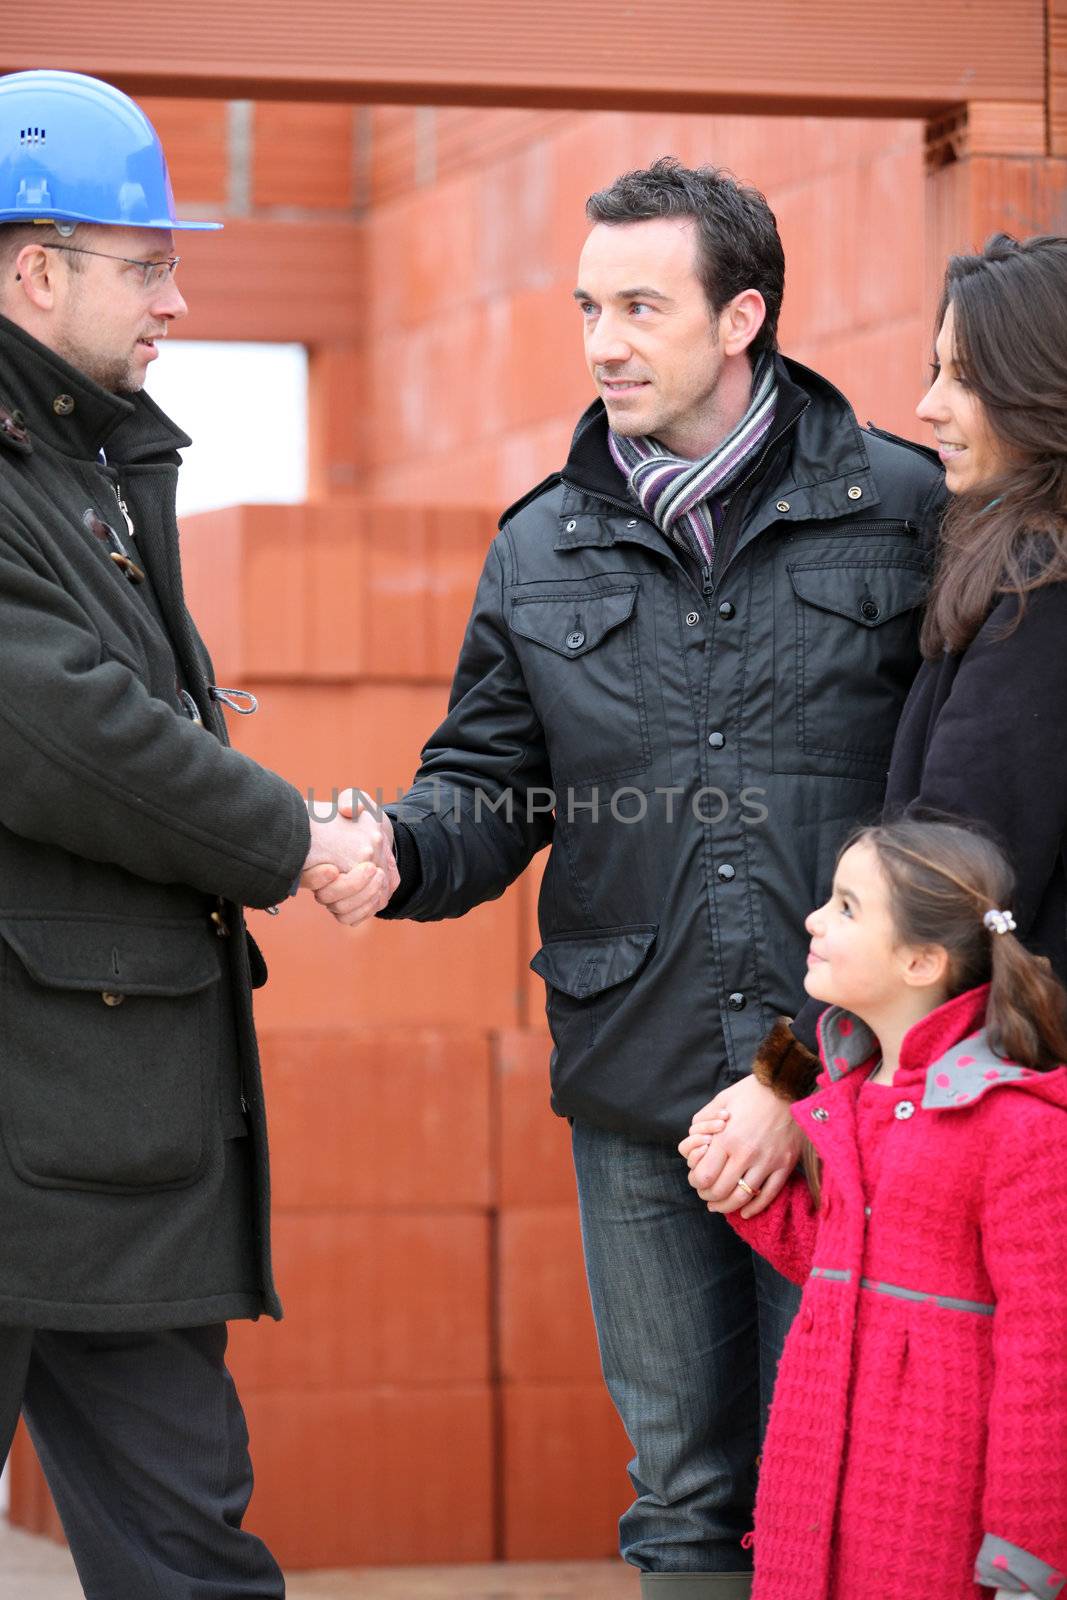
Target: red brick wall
[(470, 373)]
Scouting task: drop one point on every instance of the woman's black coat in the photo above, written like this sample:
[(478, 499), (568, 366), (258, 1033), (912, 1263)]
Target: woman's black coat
[(984, 735)]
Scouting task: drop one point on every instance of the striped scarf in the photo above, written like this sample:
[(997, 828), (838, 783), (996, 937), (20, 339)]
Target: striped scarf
[(685, 499)]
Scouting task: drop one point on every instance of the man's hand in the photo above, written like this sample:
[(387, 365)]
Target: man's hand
[(350, 867), (748, 1133)]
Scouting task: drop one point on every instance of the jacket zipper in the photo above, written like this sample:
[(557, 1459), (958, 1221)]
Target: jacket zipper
[(125, 512)]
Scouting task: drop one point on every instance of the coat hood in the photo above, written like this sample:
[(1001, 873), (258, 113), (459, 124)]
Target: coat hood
[(948, 1054)]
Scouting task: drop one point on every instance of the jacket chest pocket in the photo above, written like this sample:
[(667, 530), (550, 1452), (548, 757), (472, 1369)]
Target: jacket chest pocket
[(846, 654), (107, 1039), (580, 656)]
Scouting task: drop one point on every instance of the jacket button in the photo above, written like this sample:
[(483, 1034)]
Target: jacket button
[(571, 526), (866, 1211), (692, 619), (726, 611), (575, 641), (726, 873), (110, 999), (130, 568), (903, 1110), (783, 505), (855, 493), (632, 522), (13, 424), (736, 1001), (820, 1114), (716, 740), (870, 610), (63, 405)]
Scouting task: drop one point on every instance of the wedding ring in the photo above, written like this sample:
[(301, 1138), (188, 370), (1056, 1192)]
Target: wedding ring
[(747, 1187)]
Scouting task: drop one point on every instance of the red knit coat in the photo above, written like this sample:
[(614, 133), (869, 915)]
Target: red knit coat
[(920, 1414)]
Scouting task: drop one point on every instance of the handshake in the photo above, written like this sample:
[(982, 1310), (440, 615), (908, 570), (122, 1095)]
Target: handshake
[(350, 867)]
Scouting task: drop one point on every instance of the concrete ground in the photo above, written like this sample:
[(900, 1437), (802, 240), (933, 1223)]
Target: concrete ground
[(37, 1569)]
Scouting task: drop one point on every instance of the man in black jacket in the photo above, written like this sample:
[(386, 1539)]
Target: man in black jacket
[(686, 658), (133, 1160)]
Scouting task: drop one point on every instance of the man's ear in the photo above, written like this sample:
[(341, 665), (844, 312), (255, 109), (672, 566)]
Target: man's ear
[(926, 966), (740, 321), (33, 274)]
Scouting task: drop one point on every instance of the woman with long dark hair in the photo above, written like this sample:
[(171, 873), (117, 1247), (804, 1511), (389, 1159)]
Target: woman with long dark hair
[(984, 731)]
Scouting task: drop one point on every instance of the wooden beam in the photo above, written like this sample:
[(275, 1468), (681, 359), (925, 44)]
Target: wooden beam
[(832, 57)]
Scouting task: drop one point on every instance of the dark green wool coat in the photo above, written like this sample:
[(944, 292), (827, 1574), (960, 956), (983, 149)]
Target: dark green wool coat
[(134, 1189)]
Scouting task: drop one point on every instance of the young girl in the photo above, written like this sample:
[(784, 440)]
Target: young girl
[(918, 1439)]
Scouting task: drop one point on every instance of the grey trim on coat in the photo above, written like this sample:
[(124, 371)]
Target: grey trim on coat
[(1006, 1566)]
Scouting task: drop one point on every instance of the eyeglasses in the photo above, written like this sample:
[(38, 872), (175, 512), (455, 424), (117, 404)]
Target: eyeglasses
[(154, 274)]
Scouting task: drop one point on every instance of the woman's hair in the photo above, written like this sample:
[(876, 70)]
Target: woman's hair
[(943, 878), (1007, 536)]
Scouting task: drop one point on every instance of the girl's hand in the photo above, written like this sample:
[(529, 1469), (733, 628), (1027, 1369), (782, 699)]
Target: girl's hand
[(695, 1146), (708, 1123), (717, 1107), (760, 1145)]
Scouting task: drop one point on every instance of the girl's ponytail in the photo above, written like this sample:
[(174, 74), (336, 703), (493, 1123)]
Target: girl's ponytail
[(1026, 1015)]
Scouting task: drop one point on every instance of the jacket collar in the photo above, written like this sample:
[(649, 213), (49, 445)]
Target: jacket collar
[(66, 410), (947, 1055), (825, 459)]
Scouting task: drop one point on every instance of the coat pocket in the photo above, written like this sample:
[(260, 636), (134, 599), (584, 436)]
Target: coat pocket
[(585, 973), (581, 659), (107, 1035), (851, 658)]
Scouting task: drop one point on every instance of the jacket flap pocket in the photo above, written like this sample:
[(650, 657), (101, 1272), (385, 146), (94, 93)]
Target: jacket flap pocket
[(572, 625), (144, 957), (866, 592), (592, 962)]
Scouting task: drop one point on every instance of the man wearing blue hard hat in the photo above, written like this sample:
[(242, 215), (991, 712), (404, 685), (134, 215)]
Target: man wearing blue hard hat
[(134, 1194)]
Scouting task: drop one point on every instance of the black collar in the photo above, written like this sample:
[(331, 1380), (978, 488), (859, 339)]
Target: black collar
[(63, 408)]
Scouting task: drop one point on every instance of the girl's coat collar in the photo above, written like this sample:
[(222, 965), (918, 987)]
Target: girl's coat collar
[(948, 1052)]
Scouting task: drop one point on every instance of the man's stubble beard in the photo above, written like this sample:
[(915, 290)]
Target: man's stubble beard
[(111, 374)]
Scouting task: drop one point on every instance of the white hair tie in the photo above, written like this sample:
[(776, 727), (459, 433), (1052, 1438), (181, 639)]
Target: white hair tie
[(999, 921)]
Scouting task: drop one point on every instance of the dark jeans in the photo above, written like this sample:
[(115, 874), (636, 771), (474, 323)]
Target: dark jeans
[(143, 1442), (691, 1325)]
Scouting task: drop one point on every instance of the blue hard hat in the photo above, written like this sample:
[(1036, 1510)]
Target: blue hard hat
[(74, 149)]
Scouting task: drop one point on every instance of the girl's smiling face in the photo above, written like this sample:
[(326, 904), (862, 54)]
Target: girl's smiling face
[(855, 959)]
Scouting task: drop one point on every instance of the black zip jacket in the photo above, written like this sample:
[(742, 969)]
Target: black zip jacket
[(692, 745)]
